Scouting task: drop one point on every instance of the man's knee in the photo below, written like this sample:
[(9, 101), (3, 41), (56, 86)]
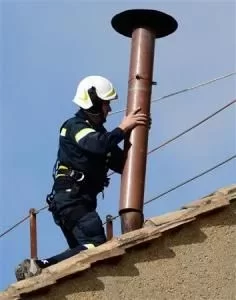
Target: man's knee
[(92, 224), (90, 229)]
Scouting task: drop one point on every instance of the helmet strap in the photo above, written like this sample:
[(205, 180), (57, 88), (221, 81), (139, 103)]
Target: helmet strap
[(96, 101)]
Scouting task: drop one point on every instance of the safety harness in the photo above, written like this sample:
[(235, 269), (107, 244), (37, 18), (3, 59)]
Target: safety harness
[(70, 180), (65, 179), (63, 170)]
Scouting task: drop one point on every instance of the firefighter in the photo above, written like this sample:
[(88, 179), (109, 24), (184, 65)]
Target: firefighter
[(86, 152)]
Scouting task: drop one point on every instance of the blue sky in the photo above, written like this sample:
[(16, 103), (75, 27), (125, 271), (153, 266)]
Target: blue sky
[(48, 46)]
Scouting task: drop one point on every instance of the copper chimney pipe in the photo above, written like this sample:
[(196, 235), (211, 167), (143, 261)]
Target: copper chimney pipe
[(143, 26), (33, 233)]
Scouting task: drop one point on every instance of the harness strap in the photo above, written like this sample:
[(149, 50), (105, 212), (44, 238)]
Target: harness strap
[(63, 170)]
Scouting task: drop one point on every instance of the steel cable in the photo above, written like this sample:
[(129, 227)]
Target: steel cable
[(162, 145), (183, 183), (182, 91)]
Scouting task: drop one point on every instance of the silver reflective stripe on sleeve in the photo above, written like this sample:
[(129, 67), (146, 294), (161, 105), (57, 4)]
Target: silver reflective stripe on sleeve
[(82, 133)]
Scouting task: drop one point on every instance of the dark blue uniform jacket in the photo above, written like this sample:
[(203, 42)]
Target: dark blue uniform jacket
[(90, 149)]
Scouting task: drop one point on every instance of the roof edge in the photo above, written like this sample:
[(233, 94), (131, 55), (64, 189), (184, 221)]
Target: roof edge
[(153, 229)]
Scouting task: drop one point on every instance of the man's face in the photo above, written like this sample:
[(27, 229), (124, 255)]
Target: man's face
[(106, 108)]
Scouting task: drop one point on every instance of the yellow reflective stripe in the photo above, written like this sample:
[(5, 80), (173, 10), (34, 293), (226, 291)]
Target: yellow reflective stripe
[(63, 132), (82, 133), (110, 93), (62, 168), (84, 95), (89, 246), (59, 175)]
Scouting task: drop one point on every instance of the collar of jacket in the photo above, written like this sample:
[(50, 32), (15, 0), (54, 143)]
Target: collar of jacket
[(93, 120)]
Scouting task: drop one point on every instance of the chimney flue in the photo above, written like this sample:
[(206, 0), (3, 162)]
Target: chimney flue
[(143, 26)]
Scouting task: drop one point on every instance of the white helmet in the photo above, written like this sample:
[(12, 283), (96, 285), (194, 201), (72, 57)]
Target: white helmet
[(104, 90)]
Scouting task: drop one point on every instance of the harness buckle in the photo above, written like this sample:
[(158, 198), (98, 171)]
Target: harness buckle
[(77, 175)]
